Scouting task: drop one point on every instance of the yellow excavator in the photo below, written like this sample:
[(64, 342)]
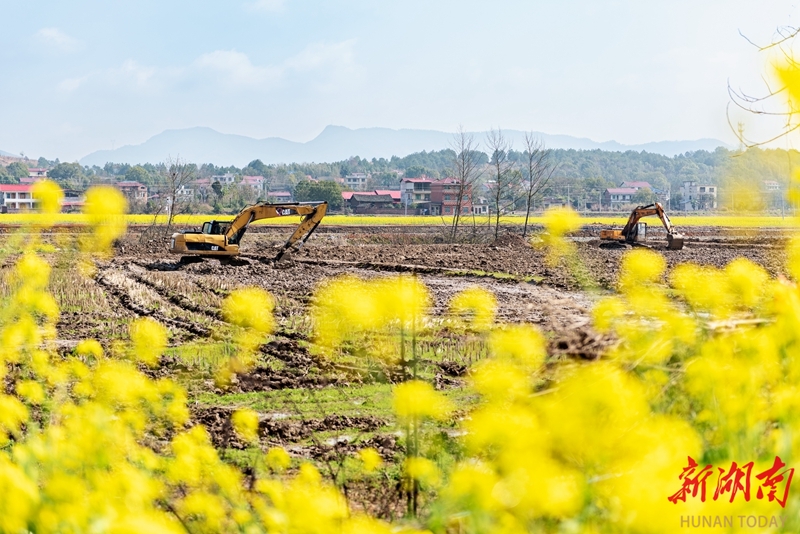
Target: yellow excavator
[(635, 232), (221, 238)]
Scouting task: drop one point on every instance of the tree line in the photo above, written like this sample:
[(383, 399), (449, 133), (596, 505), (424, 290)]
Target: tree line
[(579, 176)]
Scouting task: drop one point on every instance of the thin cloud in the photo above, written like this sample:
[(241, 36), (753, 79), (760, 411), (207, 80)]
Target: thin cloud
[(324, 55), (237, 69), (130, 71), (266, 6), (56, 39), (231, 70), (69, 85)]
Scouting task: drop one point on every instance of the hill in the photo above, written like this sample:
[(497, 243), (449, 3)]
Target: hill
[(335, 143)]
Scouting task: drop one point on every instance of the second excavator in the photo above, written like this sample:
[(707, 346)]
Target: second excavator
[(221, 238), (635, 232)]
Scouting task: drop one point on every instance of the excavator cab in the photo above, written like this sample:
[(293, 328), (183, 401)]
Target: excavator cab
[(213, 228), (639, 232)]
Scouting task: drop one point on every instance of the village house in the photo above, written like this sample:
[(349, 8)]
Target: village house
[(480, 206), (394, 193), (185, 193), (636, 185), (37, 173), (372, 203), (415, 190), (444, 197), (366, 203), (73, 201), (356, 181), (698, 197), (258, 183), (225, 179), (17, 197), (616, 197), (279, 196), (135, 191)]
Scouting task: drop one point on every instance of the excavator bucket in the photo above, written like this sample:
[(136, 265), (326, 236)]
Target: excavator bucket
[(674, 241)]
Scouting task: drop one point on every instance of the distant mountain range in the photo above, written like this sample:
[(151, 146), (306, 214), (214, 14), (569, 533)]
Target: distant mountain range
[(8, 154), (336, 143)]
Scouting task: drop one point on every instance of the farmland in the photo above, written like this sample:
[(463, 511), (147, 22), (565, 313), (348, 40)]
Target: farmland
[(325, 403)]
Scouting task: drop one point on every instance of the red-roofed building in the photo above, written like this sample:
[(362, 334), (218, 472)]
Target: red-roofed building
[(618, 196), (16, 197), (395, 194), (347, 195), (256, 182), (636, 185)]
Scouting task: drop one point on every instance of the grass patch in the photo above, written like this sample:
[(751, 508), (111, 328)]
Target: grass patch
[(358, 400)]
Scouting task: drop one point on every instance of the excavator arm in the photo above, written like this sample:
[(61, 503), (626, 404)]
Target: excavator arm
[(222, 239), (304, 230)]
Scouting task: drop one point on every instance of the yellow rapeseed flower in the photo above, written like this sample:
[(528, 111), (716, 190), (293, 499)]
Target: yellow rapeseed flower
[(89, 348), (558, 222), (49, 195), (788, 75), (20, 497), (250, 308), (403, 298), (370, 458), (245, 423), (641, 267), (417, 399), (31, 391), (500, 379), (12, 415), (278, 459), (477, 305), (105, 208), (421, 470), (149, 339), (523, 344)]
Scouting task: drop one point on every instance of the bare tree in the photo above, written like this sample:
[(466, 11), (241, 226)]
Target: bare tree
[(465, 169), (501, 172), (773, 103), (177, 174), (539, 167)]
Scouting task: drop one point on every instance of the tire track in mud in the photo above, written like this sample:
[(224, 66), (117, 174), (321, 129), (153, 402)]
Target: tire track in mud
[(127, 302), (175, 298), (423, 269)]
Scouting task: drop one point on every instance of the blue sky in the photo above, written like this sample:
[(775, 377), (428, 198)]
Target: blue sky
[(85, 75)]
